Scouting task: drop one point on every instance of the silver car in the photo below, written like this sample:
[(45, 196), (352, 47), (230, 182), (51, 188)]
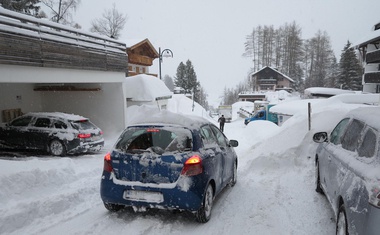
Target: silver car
[(348, 171)]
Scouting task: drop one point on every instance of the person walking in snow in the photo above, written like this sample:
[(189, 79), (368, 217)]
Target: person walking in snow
[(221, 121)]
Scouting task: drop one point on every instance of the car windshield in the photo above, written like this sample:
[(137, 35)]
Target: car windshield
[(157, 139), (83, 124)]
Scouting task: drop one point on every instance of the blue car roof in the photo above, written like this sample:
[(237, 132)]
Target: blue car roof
[(165, 117)]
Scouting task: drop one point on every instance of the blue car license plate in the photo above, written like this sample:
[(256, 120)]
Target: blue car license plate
[(143, 196)]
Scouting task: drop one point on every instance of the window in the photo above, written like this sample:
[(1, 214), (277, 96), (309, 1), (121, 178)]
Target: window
[(60, 125), (350, 139), (23, 121), (219, 136), (42, 122), (368, 145), (207, 135), (159, 139), (338, 131)]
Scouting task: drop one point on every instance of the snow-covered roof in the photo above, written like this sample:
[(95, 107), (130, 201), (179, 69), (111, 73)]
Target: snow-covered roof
[(158, 117), (294, 106), (369, 38), (71, 117), (273, 70), (134, 43), (367, 114), (15, 22), (145, 87), (325, 91)]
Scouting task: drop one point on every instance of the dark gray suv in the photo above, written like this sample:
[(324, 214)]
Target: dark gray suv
[(57, 133), (348, 171)]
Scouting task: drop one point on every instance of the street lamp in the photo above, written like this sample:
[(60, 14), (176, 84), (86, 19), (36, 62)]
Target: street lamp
[(163, 53)]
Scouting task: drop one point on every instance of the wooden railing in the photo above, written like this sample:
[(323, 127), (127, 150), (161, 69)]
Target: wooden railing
[(26, 40)]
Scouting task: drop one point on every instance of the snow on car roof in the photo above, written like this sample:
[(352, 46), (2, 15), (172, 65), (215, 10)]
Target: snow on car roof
[(148, 115), (367, 114), (72, 117)]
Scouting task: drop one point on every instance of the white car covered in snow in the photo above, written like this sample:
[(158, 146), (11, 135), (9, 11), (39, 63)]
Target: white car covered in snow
[(56, 133), (348, 171)]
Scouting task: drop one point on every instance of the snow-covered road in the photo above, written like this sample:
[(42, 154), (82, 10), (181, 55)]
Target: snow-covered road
[(274, 194)]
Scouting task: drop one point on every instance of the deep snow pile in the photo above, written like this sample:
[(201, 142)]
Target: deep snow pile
[(274, 194)]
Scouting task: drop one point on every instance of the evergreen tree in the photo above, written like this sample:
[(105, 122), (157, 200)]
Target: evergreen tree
[(179, 79), (332, 76), (186, 77), (169, 82), (24, 6), (350, 69)]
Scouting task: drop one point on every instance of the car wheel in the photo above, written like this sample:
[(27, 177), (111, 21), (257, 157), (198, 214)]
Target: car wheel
[(56, 148), (113, 207), (234, 176), (318, 187), (204, 213), (341, 222)]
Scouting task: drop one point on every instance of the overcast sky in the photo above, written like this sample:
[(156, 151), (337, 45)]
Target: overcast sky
[(211, 33)]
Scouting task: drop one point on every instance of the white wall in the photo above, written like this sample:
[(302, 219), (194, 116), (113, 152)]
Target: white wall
[(30, 74), (104, 108), (14, 96)]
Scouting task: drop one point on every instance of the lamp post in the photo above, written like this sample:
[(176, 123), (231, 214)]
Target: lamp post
[(168, 53)]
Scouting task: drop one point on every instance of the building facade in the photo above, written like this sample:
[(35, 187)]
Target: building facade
[(369, 50)]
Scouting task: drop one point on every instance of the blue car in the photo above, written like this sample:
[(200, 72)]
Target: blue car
[(169, 161)]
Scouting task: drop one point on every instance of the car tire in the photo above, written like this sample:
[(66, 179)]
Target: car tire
[(113, 207), (318, 187), (203, 215), (234, 176), (341, 222), (57, 148)]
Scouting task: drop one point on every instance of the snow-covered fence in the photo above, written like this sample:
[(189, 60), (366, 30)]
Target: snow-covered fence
[(26, 40)]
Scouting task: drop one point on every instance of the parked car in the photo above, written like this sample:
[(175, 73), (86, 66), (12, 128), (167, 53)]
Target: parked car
[(57, 133), (169, 161), (348, 171)]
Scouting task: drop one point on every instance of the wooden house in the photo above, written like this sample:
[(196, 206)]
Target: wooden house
[(270, 79), (140, 57)]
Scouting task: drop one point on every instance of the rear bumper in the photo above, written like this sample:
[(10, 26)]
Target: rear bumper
[(185, 194), (82, 147)]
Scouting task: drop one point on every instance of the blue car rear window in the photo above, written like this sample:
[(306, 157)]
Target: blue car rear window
[(158, 139)]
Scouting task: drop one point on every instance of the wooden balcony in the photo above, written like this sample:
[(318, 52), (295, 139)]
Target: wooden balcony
[(28, 41), (140, 60)]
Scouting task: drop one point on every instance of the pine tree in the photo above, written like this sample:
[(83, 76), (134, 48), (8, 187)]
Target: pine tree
[(186, 77), (350, 69), (169, 82)]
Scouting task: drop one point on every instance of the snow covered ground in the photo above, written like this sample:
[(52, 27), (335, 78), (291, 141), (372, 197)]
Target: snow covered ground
[(274, 193)]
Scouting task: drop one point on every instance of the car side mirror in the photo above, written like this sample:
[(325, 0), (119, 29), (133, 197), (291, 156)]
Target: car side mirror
[(234, 143), (320, 137)]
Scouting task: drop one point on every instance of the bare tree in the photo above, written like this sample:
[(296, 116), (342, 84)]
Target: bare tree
[(111, 24), (62, 9)]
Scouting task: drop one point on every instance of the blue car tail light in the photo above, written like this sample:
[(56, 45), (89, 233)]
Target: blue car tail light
[(192, 166), (107, 163)]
